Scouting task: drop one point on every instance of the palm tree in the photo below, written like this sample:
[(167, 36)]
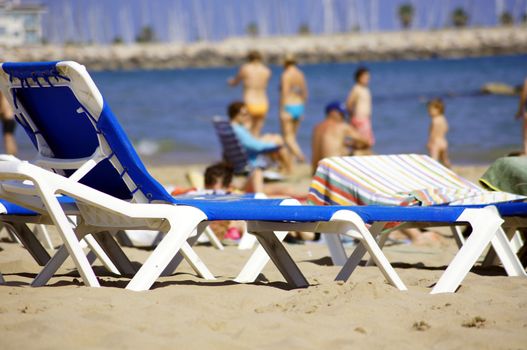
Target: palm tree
[(459, 17), (406, 15), (117, 40), (146, 35), (506, 19), (304, 29), (252, 29), (524, 18)]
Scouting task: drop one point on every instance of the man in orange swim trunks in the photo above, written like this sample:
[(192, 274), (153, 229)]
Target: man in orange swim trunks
[(359, 108), (255, 77)]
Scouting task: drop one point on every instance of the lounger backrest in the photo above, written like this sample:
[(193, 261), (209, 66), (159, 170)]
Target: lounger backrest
[(64, 114), (233, 151)]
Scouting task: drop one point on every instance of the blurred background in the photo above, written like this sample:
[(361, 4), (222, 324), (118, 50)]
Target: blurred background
[(143, 56), (127, 21)]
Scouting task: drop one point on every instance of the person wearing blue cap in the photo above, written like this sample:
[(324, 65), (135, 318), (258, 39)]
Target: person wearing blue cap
[(333, 137)]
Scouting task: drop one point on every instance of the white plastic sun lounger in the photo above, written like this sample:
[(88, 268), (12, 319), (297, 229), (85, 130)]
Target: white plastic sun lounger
[(73, 128)]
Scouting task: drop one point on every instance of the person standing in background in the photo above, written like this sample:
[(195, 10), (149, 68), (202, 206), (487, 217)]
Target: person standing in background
[(359, 106), (255, 77), (522, 114), (293, 97), (334, 137), (437, 142), (8, 126)]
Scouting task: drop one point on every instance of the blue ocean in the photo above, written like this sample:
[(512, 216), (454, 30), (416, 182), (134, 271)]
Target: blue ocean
[(167, 113)]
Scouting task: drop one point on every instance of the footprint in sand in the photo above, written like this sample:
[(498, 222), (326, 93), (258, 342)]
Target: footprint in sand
[(476, 322)]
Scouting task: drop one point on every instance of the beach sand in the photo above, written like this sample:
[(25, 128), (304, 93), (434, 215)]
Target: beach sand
[(489, 311)]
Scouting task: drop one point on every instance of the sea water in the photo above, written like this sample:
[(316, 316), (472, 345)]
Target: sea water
[(167, 113)]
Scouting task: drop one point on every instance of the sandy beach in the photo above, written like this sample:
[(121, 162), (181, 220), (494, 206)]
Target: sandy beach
[(489, 311)]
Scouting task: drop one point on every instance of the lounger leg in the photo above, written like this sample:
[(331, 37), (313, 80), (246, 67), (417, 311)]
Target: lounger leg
[(11, 232), (28, 240), (281, 258), (515, 239), (485, 223), (247, 241), (381, 236), (213, 239), (375, 252), (458, 235), (336, 249), (256, 262), (491, 258), (43, 235), (51, 267), (178, 258), (98, 252), (382, 263), (190, 256), (69, 238), (195, 262), (509, 259), (91, 256), (62, 254), (183, 222), (2, 280), (109, 253)]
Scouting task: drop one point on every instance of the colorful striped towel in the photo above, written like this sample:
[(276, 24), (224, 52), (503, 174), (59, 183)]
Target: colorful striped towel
[(408, 179)]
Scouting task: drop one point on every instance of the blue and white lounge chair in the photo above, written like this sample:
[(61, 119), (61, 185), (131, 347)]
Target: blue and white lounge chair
[(73, 128)]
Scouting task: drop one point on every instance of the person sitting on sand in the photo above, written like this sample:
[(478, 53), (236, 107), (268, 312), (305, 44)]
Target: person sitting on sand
[(359, 107), (218, 179), (268, 144), (293, 97), (437, 142), (334, 137), (522, 114), (255, 76)]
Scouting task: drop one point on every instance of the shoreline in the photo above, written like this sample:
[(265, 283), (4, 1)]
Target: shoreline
[(345, 47)]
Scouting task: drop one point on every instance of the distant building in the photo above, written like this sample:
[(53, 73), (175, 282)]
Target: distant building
[(20, 23)]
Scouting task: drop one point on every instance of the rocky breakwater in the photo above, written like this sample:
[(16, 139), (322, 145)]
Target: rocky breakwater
[(308, 48)]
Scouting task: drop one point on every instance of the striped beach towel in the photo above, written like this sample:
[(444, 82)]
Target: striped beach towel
[(407, 179)]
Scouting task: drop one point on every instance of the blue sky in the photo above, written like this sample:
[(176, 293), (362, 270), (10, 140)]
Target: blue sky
[(190, 20)]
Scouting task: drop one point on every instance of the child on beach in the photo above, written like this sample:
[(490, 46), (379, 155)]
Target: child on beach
[(359, 107), (218, 178), (437, 142)]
